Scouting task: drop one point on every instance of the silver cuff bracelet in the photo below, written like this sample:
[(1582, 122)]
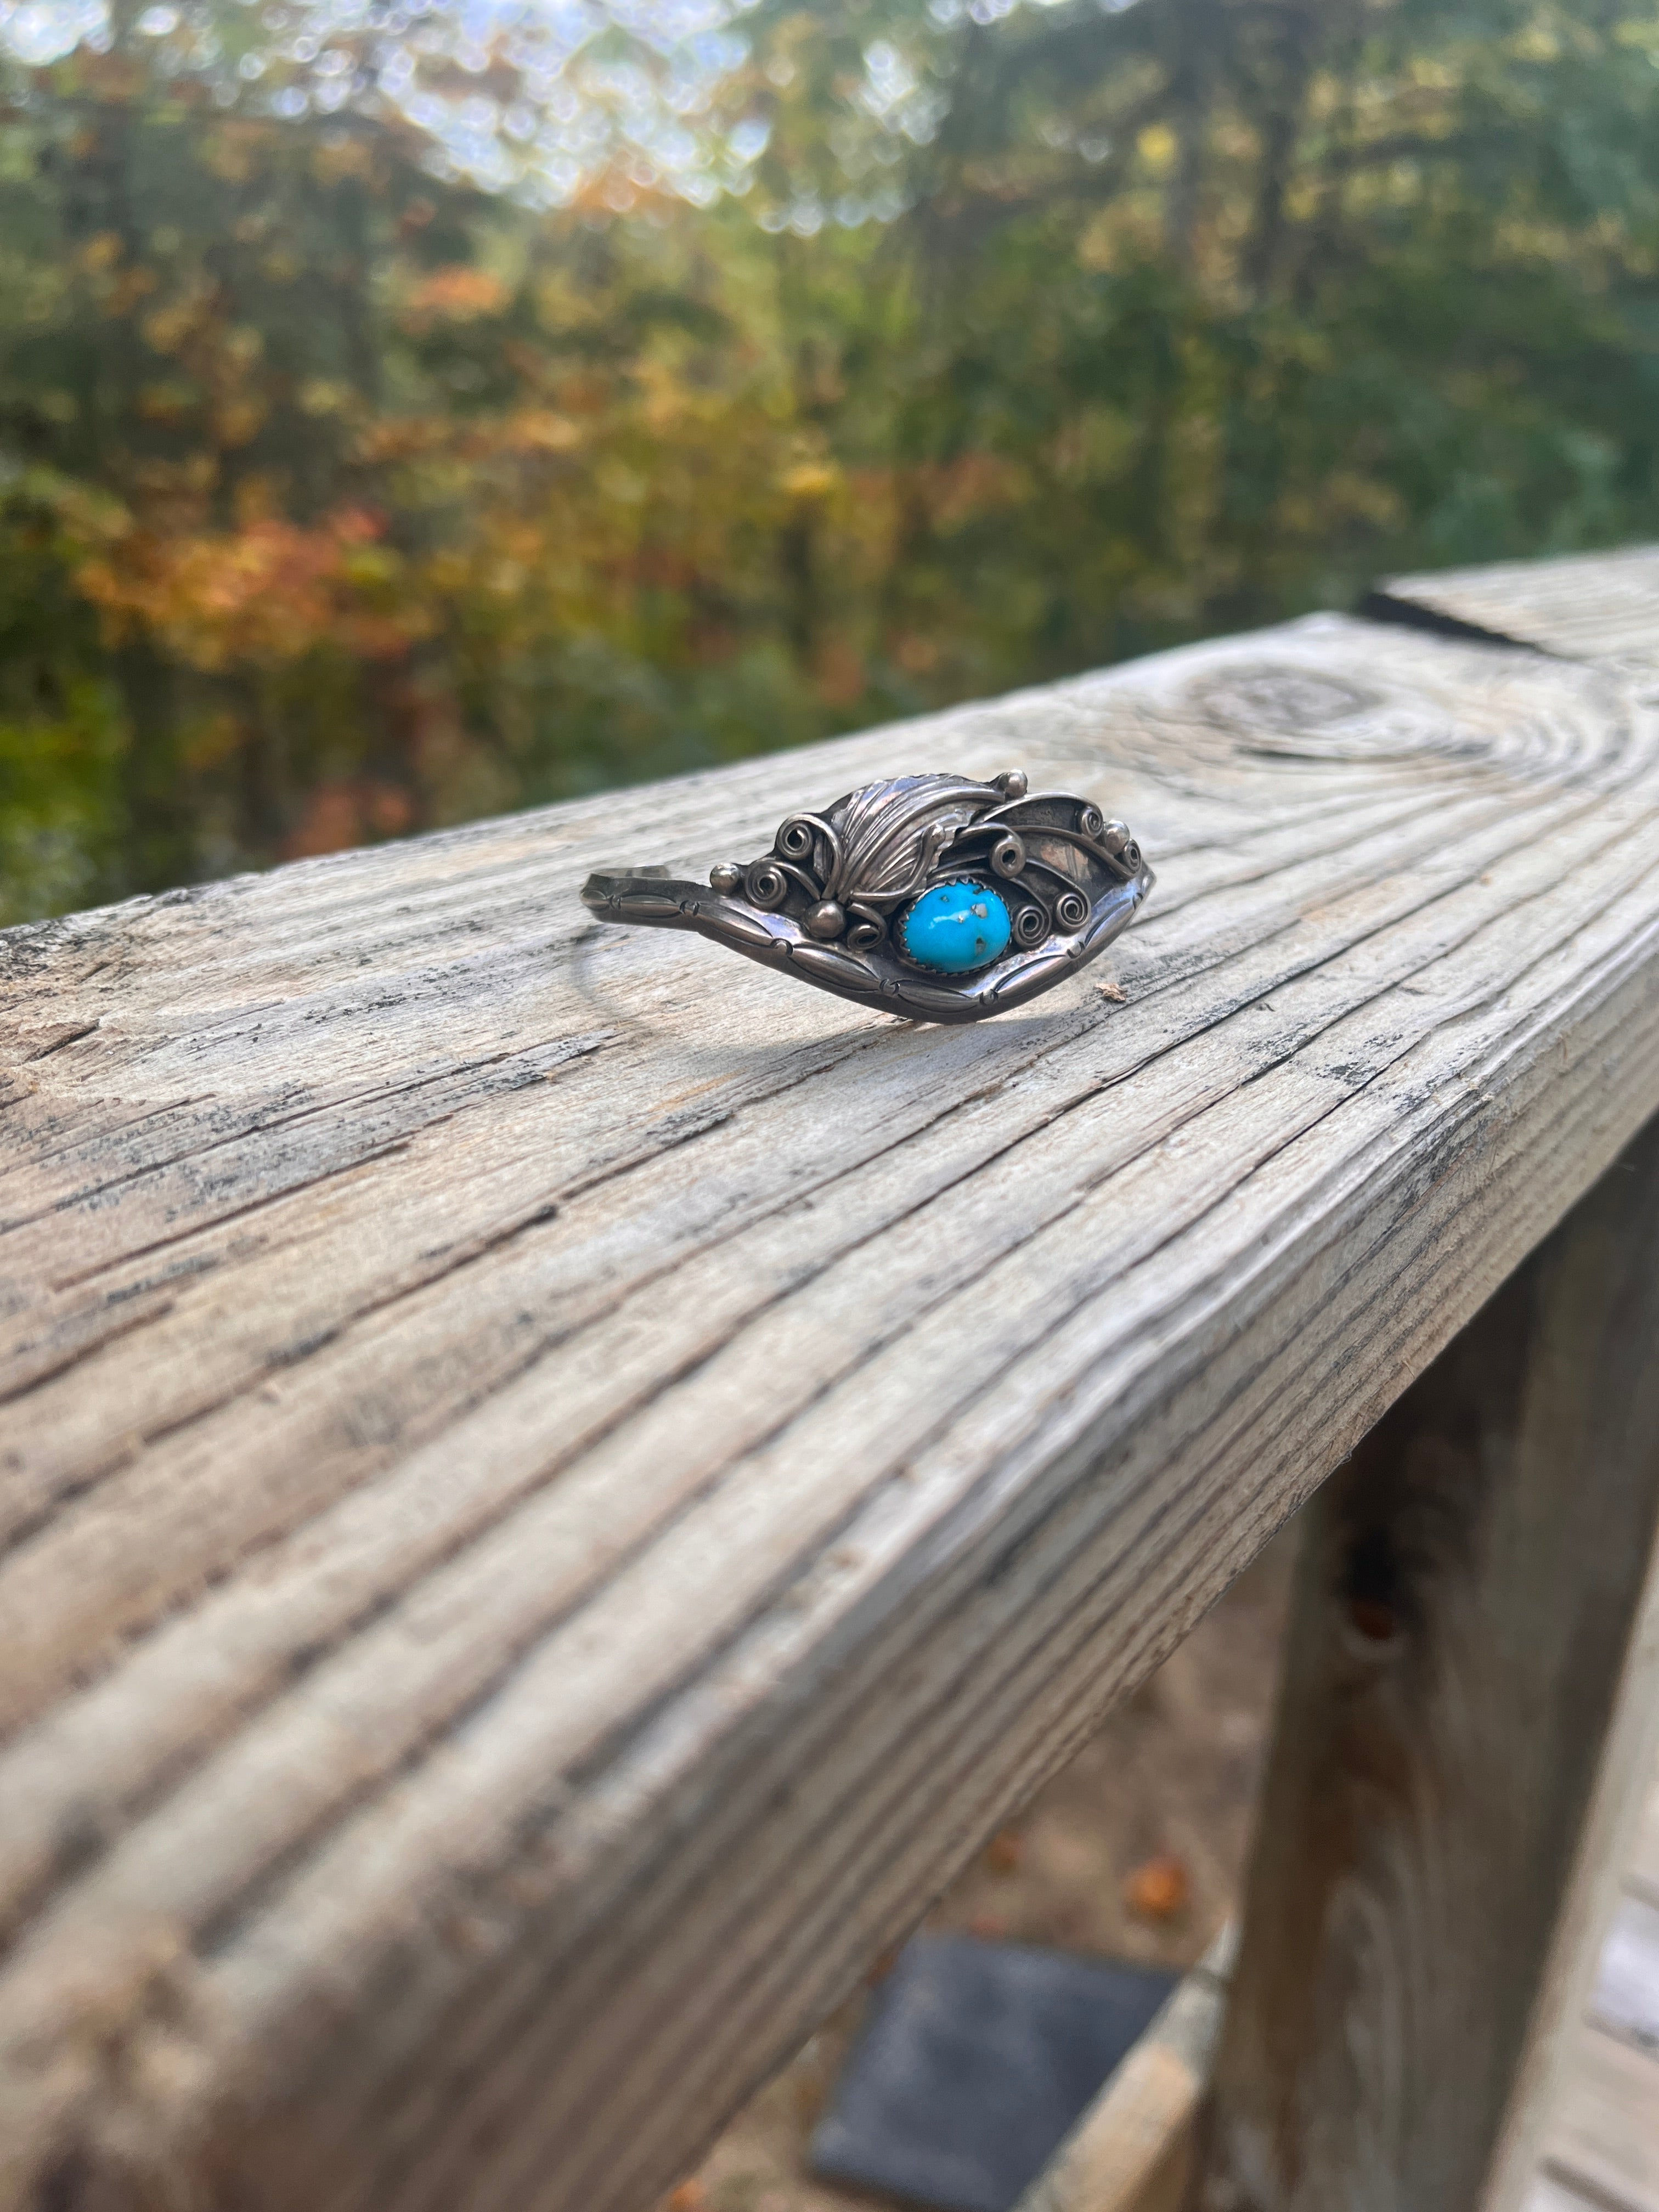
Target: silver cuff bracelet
[(928, 896)]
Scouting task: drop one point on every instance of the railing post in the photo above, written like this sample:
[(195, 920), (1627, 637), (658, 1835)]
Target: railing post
[(1465, 1598)]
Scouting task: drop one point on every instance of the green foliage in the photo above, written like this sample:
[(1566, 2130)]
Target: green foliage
[(339, 496), (60, 730)]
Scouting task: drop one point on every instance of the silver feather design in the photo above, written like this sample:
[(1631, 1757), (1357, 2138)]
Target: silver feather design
[(890, 834)]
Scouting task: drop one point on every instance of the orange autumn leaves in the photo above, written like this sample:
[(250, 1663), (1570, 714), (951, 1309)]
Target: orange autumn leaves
[(1158, 1888), (453, 294), (337, 494), (261, 596), (663, 497)]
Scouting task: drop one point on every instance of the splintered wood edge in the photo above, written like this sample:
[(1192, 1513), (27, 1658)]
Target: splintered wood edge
[(1585, 606), (1132, 2151)]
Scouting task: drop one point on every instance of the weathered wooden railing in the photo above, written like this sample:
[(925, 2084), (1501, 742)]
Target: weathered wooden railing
[(555, 1486)]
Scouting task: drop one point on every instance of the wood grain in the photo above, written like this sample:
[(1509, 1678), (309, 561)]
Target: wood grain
[(1466, 1594), (555, 1487)]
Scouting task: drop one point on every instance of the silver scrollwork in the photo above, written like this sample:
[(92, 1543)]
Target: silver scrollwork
[(933, 896)]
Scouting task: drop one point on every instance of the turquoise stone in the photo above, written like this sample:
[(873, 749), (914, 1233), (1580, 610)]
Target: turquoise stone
[(955, 928)]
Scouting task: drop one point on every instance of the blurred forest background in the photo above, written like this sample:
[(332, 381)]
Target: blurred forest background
[(412, 409)]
